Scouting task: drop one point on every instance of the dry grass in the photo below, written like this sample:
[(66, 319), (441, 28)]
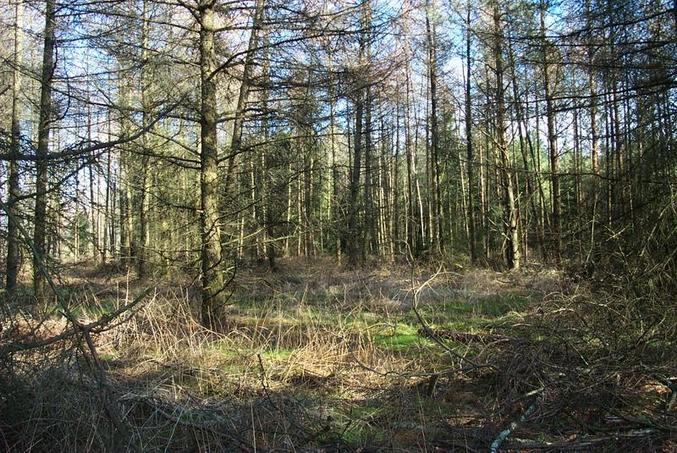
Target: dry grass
[(318, 358)]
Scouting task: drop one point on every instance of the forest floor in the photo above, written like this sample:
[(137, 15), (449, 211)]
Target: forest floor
[(318, 358)]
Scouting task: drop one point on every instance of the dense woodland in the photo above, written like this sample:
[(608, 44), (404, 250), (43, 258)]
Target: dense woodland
[(214, 140)]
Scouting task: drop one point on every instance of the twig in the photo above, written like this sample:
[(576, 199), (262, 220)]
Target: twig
[(214, 423), (496, 444), (97, 326)]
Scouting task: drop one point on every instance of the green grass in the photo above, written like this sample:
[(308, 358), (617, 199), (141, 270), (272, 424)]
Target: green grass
[(399, 336), (357, 425), (468, 315), (398, 341), (278, 354), (397, 331), (502, 304)]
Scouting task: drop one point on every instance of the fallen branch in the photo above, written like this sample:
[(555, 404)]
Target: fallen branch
[(209, 421), (583, 442), (496, 444)]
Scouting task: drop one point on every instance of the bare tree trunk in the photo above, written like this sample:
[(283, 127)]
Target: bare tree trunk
[(93, 230), (334, 204), (412, 236), (594, 134), (594, 151), (396, 211), (469, 144), (351, 241), (368, 238), (269, 220), (41, 179), (142, 206), (356, 235), (287, 239), (213, 295), (124, 184), (423, 221), (13, 251), (436, 226), (552, 141), (525, 142), (108, 232), (238, 121), (512, 252)]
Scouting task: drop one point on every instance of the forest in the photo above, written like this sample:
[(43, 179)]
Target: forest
[(338, 225)]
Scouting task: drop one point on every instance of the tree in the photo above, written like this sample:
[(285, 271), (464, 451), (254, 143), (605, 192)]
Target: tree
[(470, 164), (213, 291), (42, 151), (436, 226), (553, 152), (13, 250), (510, 213)]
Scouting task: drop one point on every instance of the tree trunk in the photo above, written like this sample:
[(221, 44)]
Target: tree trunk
[(41, 179), (351, 241), (243, 95), (436, 206), (142, 207), (368, 232), (512, 253), (552, 142), (13, 211), (469, 145), (213, 295)]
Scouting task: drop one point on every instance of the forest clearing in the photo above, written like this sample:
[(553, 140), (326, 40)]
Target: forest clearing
[(338, 225), (336, 360)]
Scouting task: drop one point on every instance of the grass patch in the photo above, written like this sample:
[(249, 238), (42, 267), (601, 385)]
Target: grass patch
[(402, 336), (501, 304), (398, 341), (280, 354)]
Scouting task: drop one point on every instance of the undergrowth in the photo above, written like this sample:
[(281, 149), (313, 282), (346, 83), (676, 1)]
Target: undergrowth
[(339, 361)]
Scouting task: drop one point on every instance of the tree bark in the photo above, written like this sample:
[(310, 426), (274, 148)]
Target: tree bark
[(436, 205), (41, 179), (142, 207), (13, 251), (512, 252), (552, 141), (351, 241), (469, 144), (213, 295), (243, 95)]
